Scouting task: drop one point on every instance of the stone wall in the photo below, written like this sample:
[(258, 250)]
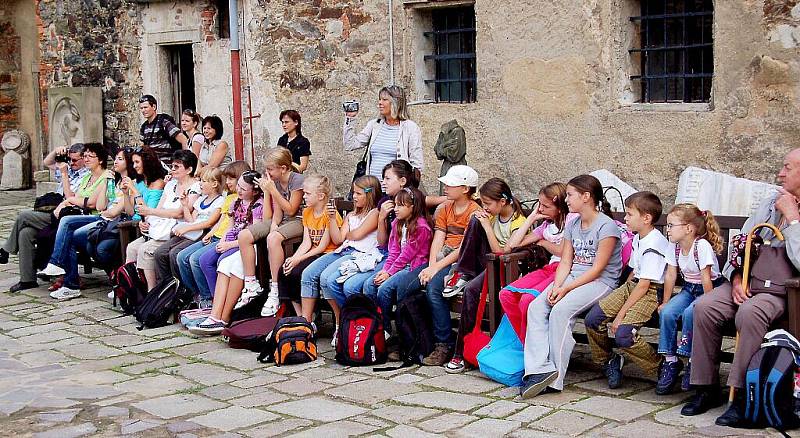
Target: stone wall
[(95, 43), (10, 66)]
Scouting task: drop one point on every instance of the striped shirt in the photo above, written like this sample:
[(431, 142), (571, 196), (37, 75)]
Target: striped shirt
[(383, 150)]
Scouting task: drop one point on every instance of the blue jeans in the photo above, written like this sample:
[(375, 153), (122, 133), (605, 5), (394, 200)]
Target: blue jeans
[(316, 274), (392, 291), (189, 267), (440, 307), (77, 241), (680, 307), (63, 243), (354, 285)]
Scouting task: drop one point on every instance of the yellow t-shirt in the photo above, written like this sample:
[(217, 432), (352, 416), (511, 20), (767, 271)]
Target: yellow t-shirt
[(225, 218), (316, 226), (504, 230)]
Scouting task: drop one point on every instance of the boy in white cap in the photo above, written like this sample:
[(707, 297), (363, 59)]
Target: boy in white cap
[(450, 222)]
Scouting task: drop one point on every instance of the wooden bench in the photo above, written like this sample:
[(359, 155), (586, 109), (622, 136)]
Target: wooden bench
[(516, 265)]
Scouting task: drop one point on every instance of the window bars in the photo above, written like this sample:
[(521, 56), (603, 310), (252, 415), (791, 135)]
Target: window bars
[(677, 50), (454, 54)]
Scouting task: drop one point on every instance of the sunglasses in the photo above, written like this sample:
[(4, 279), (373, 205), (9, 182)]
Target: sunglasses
[(250, 176), (147, 99)]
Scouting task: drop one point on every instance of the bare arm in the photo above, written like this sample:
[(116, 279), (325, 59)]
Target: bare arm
[(369, 225), (218, 155), (669, 283), (303, 164)]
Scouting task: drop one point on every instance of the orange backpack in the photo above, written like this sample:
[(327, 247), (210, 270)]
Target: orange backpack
[(291, 342)]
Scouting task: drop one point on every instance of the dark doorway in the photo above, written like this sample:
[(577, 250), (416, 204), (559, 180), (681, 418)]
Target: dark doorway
[(181, 76)]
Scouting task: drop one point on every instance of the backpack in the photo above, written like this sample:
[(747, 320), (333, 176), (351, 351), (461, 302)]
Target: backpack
[(413, 322), (292, 342), (626, 239), (250, 334), (769, 398), (165, 300), (360, 339), (129, 287), (503, 360)]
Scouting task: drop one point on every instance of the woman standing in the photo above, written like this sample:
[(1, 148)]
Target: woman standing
[(190, 122), (392, 136), (293, 139), (214, 152)]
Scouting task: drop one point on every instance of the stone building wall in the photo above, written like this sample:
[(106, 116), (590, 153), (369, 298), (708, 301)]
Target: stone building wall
[(10, 65), (94, 43)]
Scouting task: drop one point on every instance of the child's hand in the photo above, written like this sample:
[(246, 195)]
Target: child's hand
[(380, 278), (288, 265), (266, 183), (616, 323), (144, 226), (179, 231), (660, 306), (331, 207), (483, 217), (168, 177), (556, 294), (426, 274), (386, 208), (207, 239), (222, 246)]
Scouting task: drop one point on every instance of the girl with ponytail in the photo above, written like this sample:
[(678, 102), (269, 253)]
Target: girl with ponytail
[(591, 263), (695, 242)]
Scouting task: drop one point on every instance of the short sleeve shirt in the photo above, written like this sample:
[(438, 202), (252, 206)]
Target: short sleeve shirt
[(204, 206), (240, 218), (299, 146), (454, 225), (504, 230), (691, 267), (157, 135), (648, 258), (586, 242), (316, 226), (295, 183), (225, 218)]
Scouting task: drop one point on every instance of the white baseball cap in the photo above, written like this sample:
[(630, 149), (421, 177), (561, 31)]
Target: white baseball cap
[(460, 175)]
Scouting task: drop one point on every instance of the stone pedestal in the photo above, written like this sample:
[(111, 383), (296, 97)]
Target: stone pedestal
[(16, 161), (608, 179)]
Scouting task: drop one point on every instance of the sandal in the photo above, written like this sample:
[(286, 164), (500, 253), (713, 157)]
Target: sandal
[(271, 306), (455, 366)]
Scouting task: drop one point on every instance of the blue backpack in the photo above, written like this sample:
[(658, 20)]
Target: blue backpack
[(502, 360), (769, 399)]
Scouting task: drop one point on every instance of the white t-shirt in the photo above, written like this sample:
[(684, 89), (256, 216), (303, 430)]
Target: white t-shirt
[(160, 227), (648, 258), (367, 243), (688, 265), (204, 207), (552, 234)]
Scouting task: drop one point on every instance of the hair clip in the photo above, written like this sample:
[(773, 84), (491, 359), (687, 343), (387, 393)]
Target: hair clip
[(704, 213), (367, 189), (410, 192)]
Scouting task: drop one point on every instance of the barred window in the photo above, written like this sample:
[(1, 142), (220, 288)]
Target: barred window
[(453, 38), (676, 51)]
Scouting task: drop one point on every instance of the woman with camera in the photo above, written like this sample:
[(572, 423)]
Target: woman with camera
[(293, 139), (392, 136)]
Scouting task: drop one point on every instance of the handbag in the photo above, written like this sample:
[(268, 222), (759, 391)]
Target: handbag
[(503, 359), (361, 170), (477, 339), (772, 268), (106, 229), (47, 202)]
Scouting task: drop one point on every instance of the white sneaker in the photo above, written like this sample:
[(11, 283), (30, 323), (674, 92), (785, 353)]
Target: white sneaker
[(65, 293), (111, 295), (245, 298), (335, 335), (52, 270), (454, 289)]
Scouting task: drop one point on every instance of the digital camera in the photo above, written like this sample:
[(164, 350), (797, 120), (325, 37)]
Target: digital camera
[(61, 158), (350, 106)]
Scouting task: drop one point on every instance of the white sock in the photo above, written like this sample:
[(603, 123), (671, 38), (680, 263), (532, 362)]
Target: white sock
[(273, 288)]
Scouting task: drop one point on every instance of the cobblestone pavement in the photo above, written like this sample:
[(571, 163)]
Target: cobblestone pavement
[(79, 368)]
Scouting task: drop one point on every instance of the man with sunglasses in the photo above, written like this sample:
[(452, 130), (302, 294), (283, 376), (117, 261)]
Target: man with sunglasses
[(22, 238), (159, 130)]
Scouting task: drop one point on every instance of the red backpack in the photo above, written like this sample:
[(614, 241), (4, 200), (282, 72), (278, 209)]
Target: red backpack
[(360, 340), (129, 287)]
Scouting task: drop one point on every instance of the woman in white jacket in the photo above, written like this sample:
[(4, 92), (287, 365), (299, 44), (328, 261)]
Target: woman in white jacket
[(392, 136)]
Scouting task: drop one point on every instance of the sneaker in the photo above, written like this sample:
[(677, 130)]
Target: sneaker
[(194, 320), (56, 285), (438, 356), (52, 270), (534, 384), (613, 371), (668, 377), (3, 256), (454, 286), (245, 298), (194, 315), (455, 366), (65, 293), (272, 304), (335, 336), (205, 303), (208, 327), (111, 295)]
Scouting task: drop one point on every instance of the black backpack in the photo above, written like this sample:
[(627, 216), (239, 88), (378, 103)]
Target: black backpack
[(129, 287), (360, 339), (769, 399), (163, 301), (292, 342), (413, 323)]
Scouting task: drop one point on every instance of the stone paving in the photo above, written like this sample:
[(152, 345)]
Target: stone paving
[(80, 368)]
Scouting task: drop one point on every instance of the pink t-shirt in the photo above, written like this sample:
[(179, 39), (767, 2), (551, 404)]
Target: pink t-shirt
[(240, 219)]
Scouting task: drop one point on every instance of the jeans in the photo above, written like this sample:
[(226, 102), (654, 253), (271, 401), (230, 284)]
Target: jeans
[(440, 307), (189, 267), (316, 274), (208, 265), (357, 284), (680, 307), (78, 241), (63, 243), (394, 290)]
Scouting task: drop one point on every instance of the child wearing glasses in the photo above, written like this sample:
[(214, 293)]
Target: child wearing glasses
[(695, 242)]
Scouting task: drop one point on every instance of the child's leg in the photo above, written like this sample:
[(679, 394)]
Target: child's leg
[(275, 253), (509, 301), (185, 268), (235, 285), (220, 293), (327, 280), (390, 291), (203, 288), (469, 311), (668, 322), (597, 322), (208, 265), (628, 339), (248, 250), (440, 306), (687, 325)]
